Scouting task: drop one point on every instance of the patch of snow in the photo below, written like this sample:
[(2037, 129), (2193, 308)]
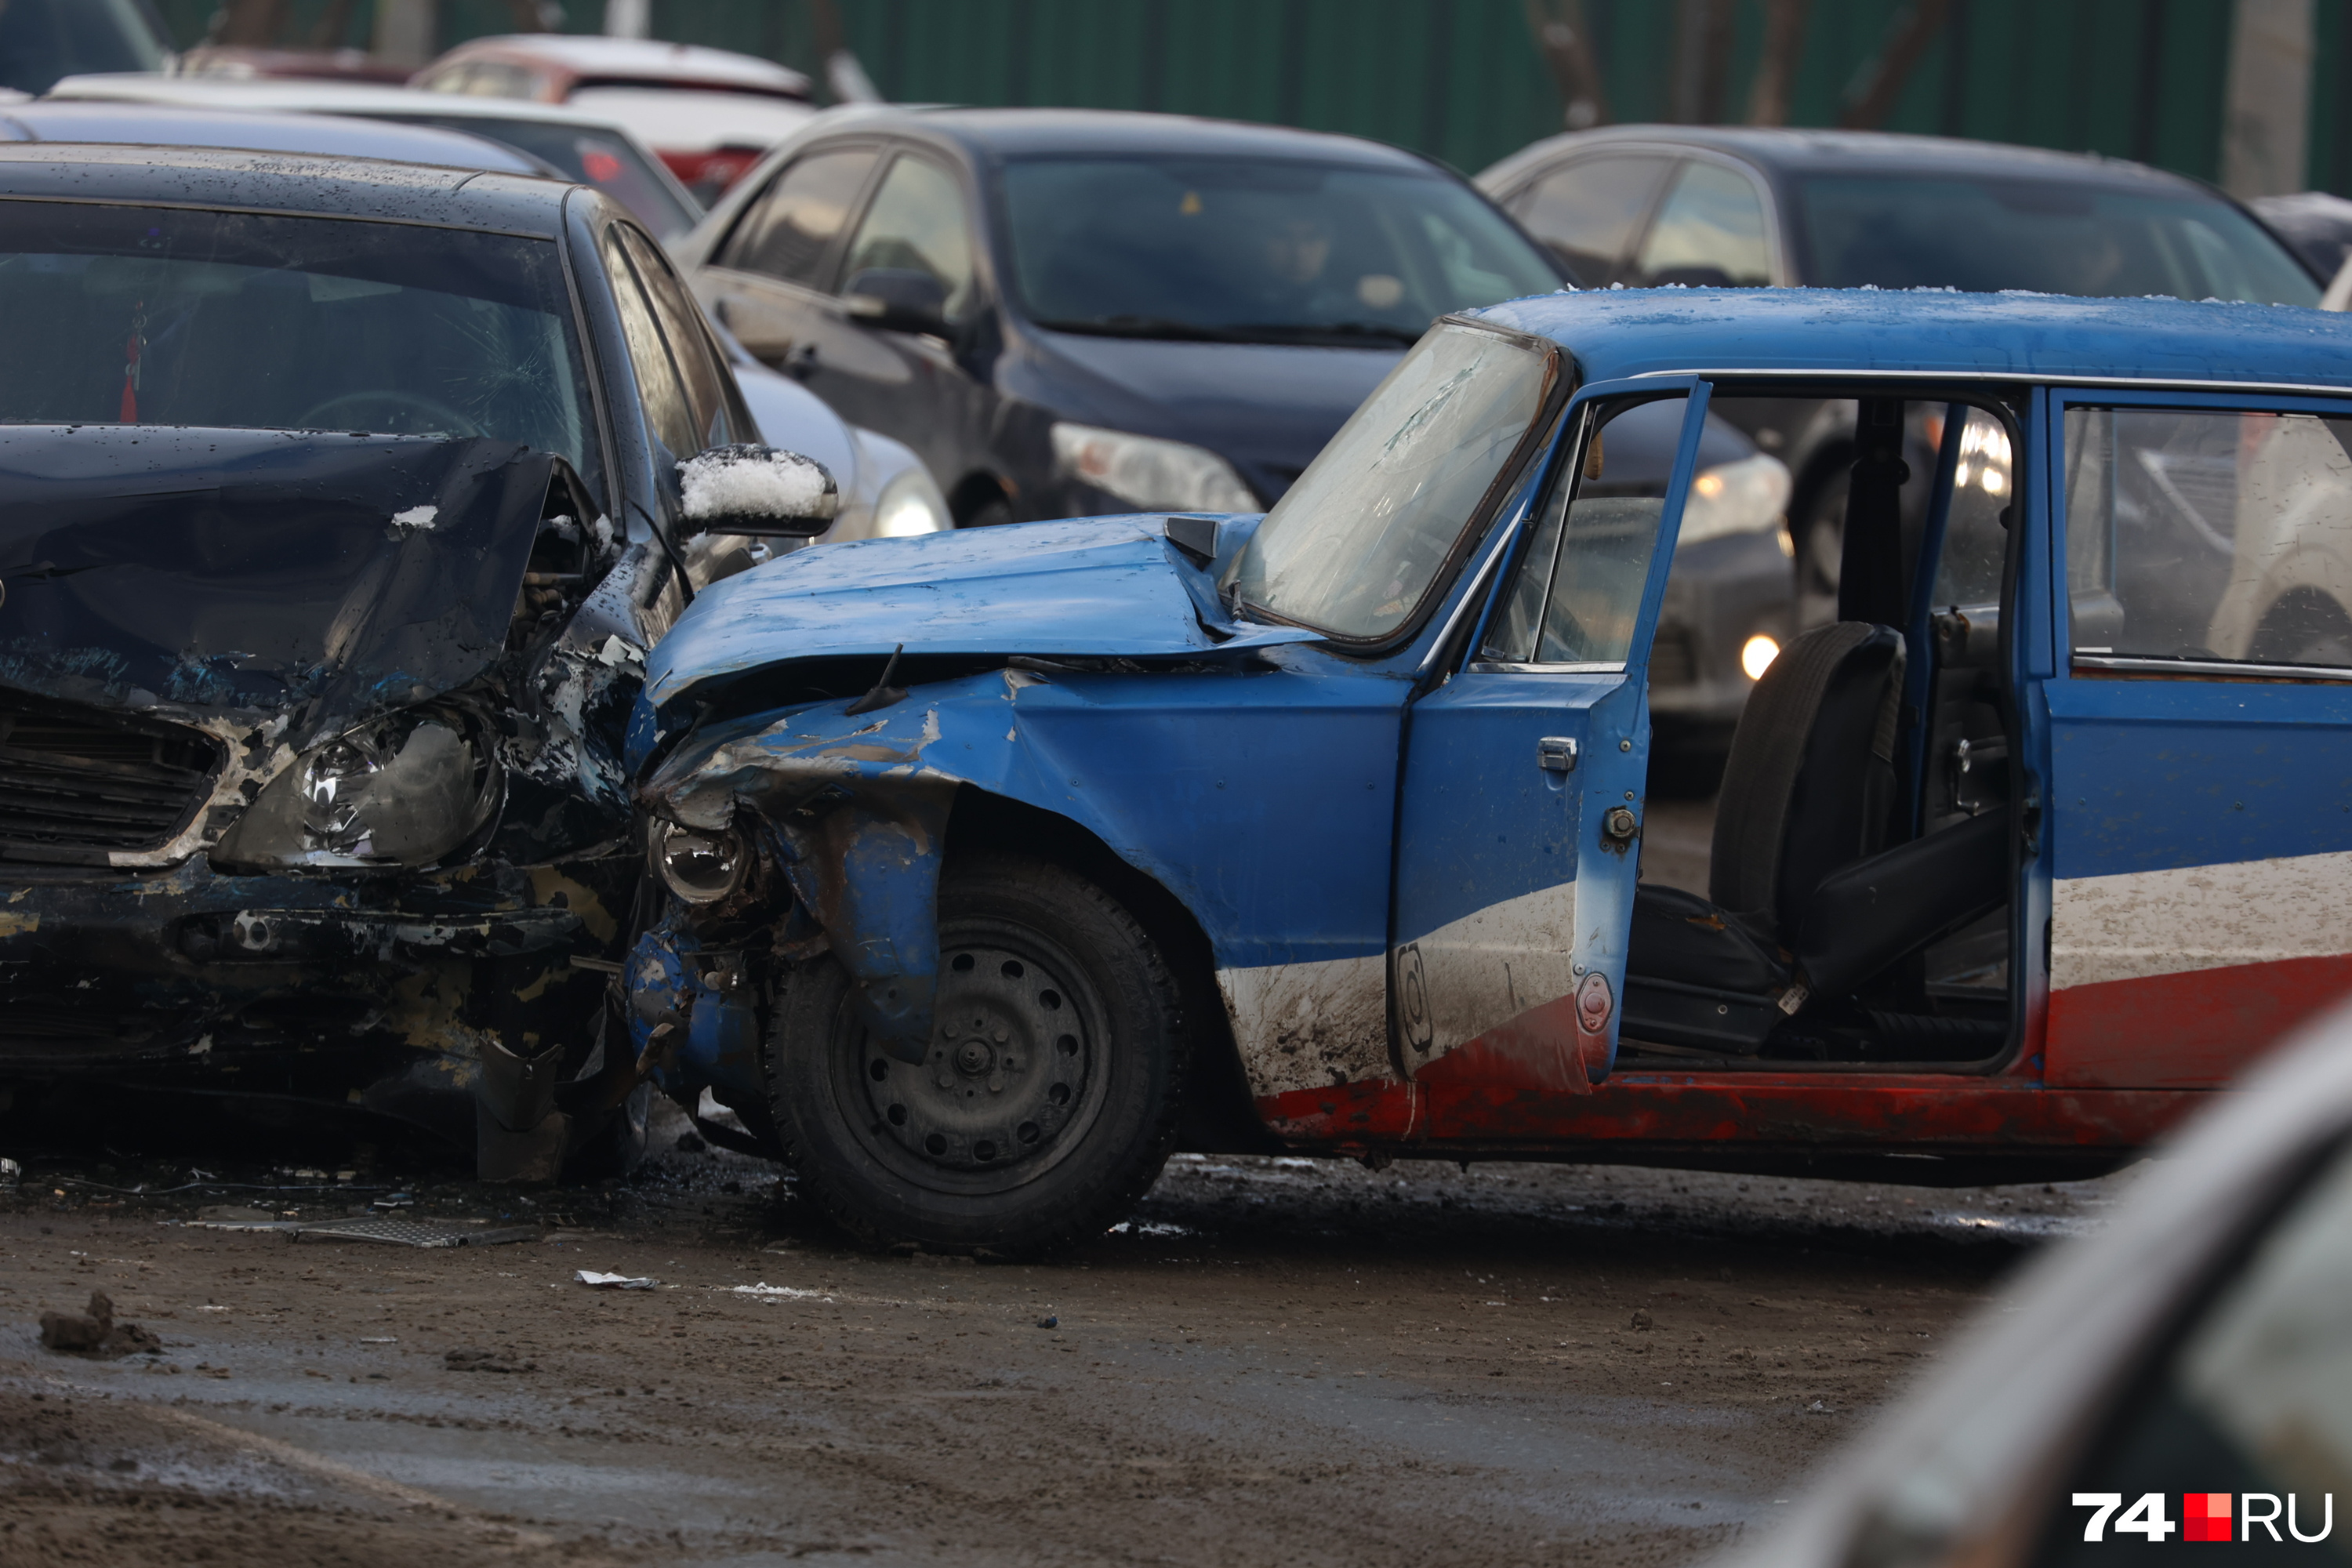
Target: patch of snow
[(782, 485), (416, 519)]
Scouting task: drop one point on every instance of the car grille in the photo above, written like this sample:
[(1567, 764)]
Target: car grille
[(74, 783), (1672, 661)]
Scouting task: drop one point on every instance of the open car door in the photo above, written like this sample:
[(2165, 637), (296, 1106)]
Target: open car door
[(1520, 813)]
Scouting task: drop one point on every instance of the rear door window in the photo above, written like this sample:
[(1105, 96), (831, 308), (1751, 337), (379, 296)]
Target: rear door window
[(1589, 211), (2196, 536), (790, 230)]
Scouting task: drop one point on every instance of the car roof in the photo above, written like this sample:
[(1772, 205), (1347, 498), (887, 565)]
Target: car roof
[(1621, 333), (361, 188), (315, 97), (1787, 151), (1029, 133), (170, 125), (592, 56)]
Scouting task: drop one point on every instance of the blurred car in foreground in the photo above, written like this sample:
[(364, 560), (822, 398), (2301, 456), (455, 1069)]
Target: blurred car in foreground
[(340, 501), (1641, 206), (587, 148), (2183, 1374), (710, 113), (1073, 313), (41, 40)]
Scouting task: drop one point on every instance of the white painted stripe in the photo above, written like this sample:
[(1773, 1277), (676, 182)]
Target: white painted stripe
[(1493, 965), (1310, 1025), (2143, 924)]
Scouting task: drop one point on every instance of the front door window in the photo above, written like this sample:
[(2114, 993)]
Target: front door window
[(917, 224)]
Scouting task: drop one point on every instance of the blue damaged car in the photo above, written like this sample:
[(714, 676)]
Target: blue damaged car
[(996, 865)]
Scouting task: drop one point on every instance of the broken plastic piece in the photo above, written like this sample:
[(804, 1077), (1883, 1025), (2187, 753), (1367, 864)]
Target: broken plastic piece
[(590, 1277)]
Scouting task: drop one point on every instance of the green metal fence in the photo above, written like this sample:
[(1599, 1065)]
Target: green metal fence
[(1463, 79)]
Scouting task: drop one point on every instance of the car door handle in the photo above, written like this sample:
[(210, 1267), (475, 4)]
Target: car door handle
[(1556, 754)]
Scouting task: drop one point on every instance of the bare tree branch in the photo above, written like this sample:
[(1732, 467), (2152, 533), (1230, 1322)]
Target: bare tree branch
[(1784, 45), (1565, 49), (1873, 98)]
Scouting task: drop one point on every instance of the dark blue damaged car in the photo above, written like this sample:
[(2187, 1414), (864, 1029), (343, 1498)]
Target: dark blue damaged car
[(339, 501)]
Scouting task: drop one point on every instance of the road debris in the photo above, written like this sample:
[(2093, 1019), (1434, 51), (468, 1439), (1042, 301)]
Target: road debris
[(593, 1280), (398, 1232), (471, 1358), (96, 1334)]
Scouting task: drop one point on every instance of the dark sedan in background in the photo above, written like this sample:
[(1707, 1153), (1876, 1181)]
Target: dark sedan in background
[(1070, 312), (1646, 205)]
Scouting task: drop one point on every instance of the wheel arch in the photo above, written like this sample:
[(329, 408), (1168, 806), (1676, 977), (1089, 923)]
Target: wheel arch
[(1218, 1115)]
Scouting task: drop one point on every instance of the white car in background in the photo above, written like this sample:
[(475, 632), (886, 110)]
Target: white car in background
[(710, 113)]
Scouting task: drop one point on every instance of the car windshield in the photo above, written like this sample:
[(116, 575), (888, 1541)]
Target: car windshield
[(162, 316), (1256, 250), (41, 40), (593, 157), (1917, 230), (1356, 544)]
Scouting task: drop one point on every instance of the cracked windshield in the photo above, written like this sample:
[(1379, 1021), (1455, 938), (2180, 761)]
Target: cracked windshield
[(149, 316), (1255, 251)]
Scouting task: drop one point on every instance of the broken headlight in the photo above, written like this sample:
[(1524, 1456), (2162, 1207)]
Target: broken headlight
[(699, 867), (405, 790)]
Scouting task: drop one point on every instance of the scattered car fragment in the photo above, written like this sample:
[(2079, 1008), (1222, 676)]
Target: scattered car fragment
[(97, 1331), (984, 854), (314, 663)]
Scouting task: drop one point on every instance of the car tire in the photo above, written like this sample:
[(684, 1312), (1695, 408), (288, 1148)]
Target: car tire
[(1047, 1104)]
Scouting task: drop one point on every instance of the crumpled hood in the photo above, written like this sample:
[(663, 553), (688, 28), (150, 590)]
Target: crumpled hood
[(1101, 585), (321, 578)]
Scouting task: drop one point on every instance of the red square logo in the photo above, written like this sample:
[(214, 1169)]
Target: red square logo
[(2205, 1516)]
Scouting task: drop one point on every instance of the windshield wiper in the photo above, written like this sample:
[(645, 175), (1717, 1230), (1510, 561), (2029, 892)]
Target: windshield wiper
[(1349, 332), (1148, 327)]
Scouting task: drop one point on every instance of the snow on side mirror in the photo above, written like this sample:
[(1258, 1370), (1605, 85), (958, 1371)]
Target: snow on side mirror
[(757, 490)]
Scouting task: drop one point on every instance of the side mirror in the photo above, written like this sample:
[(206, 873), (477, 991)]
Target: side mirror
[(899, 299), (757, 490)]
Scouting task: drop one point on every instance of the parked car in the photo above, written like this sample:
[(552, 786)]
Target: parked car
[(2180, 1376), (710, 113), (41, 40), (885, 491), (987, 855), (314, 134), (314, 662), (1068, 312), (2319, 228), (1643, 205), (587, 148), (247, 61)]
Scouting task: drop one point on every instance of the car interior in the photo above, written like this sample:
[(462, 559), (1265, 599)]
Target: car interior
[(1852, 903)]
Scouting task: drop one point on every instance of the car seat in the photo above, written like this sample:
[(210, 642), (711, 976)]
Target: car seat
[(1805, 902)]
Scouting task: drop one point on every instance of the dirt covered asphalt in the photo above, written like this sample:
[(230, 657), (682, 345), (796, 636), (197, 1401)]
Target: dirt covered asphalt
[(1280, 1361)]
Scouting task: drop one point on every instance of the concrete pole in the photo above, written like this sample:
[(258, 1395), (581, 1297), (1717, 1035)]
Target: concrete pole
[(629, 18), (407, 31), (2266, 115)]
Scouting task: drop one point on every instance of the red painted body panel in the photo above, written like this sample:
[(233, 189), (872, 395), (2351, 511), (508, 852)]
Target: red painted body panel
[(2191, 1030), (1857, 1112)]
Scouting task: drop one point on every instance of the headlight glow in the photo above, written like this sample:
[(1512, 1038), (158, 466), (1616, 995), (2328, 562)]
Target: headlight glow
[(699, 867), (1148, 472), (1744, 497), (1756, 654), (908, 505), (404, 790)]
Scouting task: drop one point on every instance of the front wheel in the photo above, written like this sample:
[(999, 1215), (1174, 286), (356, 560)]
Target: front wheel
[(1046, 1103)]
